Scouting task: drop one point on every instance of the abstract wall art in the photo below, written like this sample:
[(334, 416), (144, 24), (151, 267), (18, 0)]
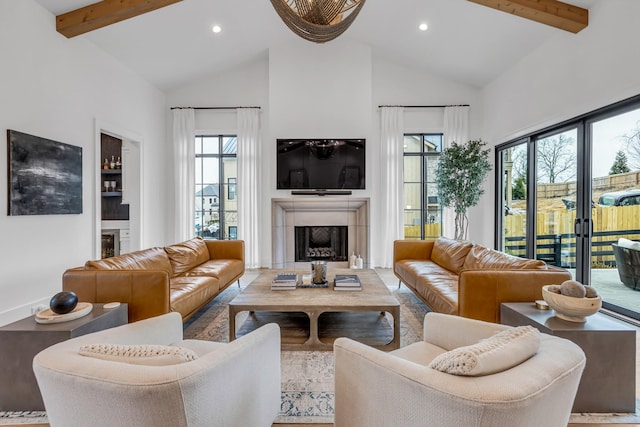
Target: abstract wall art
[(45, 176)]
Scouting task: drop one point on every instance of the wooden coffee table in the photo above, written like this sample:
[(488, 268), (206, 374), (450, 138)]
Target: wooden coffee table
[(311, 318)]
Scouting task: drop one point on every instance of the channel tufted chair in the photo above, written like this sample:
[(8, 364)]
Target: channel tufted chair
[(378, 389), (144, 374)]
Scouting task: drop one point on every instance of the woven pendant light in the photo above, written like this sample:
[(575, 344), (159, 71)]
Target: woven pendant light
[(318, 21)]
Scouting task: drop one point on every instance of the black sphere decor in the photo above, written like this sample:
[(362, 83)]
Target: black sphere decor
[(63, 302)]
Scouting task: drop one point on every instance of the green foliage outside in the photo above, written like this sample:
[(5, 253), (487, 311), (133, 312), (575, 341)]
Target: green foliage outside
[(461, 170), (619, 164), (519, 190)]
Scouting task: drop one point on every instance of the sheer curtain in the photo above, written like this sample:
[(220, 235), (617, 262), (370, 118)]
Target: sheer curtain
[(248, 167), (391, 165), (184, 172), (456, 129)]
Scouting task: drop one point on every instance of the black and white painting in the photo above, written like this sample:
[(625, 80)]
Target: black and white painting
[(45, 176)]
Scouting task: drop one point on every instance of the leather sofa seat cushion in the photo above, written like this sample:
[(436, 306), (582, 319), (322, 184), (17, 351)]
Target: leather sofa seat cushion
[(450, 254), (147, 259), (186, 255), (439, 290), (223, 269), (483, 258), (187, 293)]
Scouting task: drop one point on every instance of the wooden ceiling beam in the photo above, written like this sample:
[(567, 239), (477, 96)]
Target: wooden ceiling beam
[(551, 12), (104, 13)]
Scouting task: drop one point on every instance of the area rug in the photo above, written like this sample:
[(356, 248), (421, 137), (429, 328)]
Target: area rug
[(307, 376)]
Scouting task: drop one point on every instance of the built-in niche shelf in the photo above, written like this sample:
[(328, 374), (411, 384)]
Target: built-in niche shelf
[(112, 207)]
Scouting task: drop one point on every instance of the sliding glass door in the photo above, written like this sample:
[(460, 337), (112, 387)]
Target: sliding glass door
[(615, 192), (585, 197)]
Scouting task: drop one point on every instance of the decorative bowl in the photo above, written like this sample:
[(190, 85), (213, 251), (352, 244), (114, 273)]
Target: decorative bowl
[(571, 308)]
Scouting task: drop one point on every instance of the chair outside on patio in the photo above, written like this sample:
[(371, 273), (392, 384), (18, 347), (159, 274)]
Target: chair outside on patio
[(628, 262)]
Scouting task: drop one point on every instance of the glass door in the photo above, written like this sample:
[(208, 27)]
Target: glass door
[(556, 198), (615, 196), (513, 206)]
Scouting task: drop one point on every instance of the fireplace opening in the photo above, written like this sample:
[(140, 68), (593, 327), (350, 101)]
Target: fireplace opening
[(321, 243)]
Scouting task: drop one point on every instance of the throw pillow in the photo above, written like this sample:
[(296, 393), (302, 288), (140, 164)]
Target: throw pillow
[(498, 353), (187, 255), (153, 355)]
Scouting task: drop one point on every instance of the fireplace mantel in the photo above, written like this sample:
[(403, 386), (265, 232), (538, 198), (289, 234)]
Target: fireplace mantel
[(289, 212)]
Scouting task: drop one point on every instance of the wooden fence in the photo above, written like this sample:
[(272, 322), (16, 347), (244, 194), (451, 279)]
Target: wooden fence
[(555, 240)]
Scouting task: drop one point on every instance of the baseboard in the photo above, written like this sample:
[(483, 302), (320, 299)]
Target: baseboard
[(22, 311)]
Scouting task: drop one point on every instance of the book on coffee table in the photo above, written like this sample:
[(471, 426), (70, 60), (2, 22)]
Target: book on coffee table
[(284, 282), (347, 282)]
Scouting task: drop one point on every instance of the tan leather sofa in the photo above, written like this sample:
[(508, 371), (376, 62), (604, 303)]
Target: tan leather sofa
[(182, 277), (468, 279)]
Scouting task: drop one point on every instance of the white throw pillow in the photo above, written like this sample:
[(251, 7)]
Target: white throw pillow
[(497, 353), (154, 355), (626, 243)]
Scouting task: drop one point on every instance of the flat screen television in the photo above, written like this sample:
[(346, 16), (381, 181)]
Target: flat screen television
[(321, 164)]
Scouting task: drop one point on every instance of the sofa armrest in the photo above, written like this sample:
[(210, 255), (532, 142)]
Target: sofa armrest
[(412, 249), (145, 291), (480, 292), (226, 249)]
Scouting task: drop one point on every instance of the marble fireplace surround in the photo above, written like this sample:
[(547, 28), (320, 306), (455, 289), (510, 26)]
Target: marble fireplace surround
[(289, 212)]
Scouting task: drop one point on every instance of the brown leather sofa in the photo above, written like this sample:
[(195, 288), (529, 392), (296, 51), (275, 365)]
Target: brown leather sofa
[(470, 280), (182, 277)]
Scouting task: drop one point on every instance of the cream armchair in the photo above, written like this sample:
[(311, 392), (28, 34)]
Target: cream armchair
[(378, 389), (234, 384)]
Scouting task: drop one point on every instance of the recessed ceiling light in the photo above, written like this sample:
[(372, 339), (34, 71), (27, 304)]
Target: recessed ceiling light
[(423, 26), (216, 29)]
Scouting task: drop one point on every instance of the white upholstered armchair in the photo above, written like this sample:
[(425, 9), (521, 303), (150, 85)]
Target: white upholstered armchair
[(378, 389), (144, 374)]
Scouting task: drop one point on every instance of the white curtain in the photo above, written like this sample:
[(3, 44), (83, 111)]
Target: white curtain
[(456, 129), (391, 165), (184, 172), (248, 197)]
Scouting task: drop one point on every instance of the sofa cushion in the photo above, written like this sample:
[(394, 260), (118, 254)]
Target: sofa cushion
[(450, 254), (482, 258), (186, 255), (223, 269), (153, 355), (497, 353), (188, 294), (147, 259)]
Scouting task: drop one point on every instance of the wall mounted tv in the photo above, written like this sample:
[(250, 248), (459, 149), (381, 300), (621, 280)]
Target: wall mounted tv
[(321, 164)]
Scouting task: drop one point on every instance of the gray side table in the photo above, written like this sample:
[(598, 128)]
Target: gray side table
[(608, 383), (20, 341)]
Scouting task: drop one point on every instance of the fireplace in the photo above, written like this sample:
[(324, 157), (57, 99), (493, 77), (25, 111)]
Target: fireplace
[(327, 243), (343, 220)]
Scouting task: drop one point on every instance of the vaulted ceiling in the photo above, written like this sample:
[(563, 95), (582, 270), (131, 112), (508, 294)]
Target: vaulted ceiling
[(170, 42)]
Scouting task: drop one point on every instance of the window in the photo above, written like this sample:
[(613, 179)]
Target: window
[(216, 174), (232, 188), (581, 197), (422, 213)]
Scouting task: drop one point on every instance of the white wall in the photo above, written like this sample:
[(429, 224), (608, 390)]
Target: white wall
[(329, 90), (57, 88), (569, 75)]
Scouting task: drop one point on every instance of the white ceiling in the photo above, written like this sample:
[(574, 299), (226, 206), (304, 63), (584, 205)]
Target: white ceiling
[(171, 46)]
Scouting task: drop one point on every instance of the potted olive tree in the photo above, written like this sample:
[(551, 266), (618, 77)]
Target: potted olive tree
[(461, 170)]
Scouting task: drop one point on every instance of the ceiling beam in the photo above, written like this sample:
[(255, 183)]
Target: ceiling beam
[(104, 13), (551, 12)]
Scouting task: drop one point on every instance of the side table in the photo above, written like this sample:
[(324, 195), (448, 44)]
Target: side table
[(608, 383), (20, 341)]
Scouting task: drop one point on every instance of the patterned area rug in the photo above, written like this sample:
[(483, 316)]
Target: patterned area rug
[(307, 376)]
